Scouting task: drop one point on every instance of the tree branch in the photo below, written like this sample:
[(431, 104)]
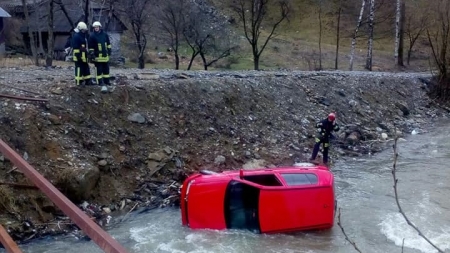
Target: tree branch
[(394, 176)]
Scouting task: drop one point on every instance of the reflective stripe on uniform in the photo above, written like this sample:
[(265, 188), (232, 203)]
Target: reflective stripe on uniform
[(78, 75), (326, 144)]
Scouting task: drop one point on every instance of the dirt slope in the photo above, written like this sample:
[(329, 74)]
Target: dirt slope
[(133, 146)]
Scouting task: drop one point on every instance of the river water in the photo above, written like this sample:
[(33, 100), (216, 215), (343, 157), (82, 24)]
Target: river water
[(368, 212)]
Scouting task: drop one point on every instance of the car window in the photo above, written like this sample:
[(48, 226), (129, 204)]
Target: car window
[(300, 179), (266, 180)]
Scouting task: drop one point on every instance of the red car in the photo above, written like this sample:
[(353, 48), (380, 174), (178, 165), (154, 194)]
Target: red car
[(272, 200)]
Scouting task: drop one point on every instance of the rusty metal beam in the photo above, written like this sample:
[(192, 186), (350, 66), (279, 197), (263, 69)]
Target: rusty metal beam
[(8, 242), (94, 231)]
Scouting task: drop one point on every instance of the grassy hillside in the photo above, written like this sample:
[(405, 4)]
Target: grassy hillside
[(296, 43)]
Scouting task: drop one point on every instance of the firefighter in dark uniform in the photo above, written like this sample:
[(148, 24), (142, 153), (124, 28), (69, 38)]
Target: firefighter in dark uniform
[(324, 135), (80, 54), (99, 53)]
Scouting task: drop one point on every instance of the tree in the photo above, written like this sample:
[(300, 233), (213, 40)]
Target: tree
[(171, 16), (338, 33), (416, 23), (50, 39), (370, 41), (208, 35), (137, 14), (439, 37), (30, 33), (399, 31), (320, 34), (254, 16), (358, 24)]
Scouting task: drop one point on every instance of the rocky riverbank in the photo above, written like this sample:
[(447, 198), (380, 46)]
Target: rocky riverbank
[(131, 147)]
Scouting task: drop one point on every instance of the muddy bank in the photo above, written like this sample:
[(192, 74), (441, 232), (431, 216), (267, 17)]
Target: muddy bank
[(132, 146)]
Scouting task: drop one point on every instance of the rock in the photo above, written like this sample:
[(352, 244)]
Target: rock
[(248, 154), (104, 89), (404, 108), (57, 91), (106, 209), (84, 205), (2, 158), (384, 136), (151, 165), (254, 164), (48, 206), (161, 55), (122, 148), (146, 76), (220, 159), (102, 163), (55, 120), (137, 118), (157, 156), (353, 137), (78, 183)]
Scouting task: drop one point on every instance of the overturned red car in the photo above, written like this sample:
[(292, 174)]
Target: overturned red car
[(274, 200)]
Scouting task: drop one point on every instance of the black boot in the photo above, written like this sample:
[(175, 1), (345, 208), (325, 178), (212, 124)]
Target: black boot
[(88, 82)]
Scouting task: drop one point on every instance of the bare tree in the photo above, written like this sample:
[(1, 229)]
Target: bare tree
[(358, 24), (254, 15), (416, 22), (320, 34), (370, 41), (171, 16), (438, 39), (50, 39), (402, 34), (208, 35), (30, 33), (399, 31), (64, 10), (338, 33), (136, 13)]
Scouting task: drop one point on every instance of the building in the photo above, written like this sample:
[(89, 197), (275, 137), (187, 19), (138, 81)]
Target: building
[(65, 19), (3, 15)]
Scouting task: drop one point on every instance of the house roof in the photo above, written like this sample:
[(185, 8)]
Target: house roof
[(4, 14), (38, 18)]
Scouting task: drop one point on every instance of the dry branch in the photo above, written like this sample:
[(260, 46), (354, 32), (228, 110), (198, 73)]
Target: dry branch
[(394, 176), (345, 234), (24, 98)]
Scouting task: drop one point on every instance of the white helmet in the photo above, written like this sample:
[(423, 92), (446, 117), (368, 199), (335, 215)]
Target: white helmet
[(82, 26), (96, 24)]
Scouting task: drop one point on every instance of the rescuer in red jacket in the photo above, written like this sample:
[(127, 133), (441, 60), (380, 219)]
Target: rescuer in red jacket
[(324, 135)]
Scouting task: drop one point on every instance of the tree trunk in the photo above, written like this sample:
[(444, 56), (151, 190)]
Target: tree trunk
[(177, 60), (142, 43), (50, 41), (320, 35), (86, 12), (358, 24), (30, 33), (397, 31), (402, 34), (255, 56), (370, 42), (194, 54), (336, 62), (205, 64)]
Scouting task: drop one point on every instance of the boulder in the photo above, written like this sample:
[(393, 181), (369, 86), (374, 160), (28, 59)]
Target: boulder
[(77, 183)]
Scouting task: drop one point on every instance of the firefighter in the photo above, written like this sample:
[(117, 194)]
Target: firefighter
[(80, 54), (99, 53), (324, 135)]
